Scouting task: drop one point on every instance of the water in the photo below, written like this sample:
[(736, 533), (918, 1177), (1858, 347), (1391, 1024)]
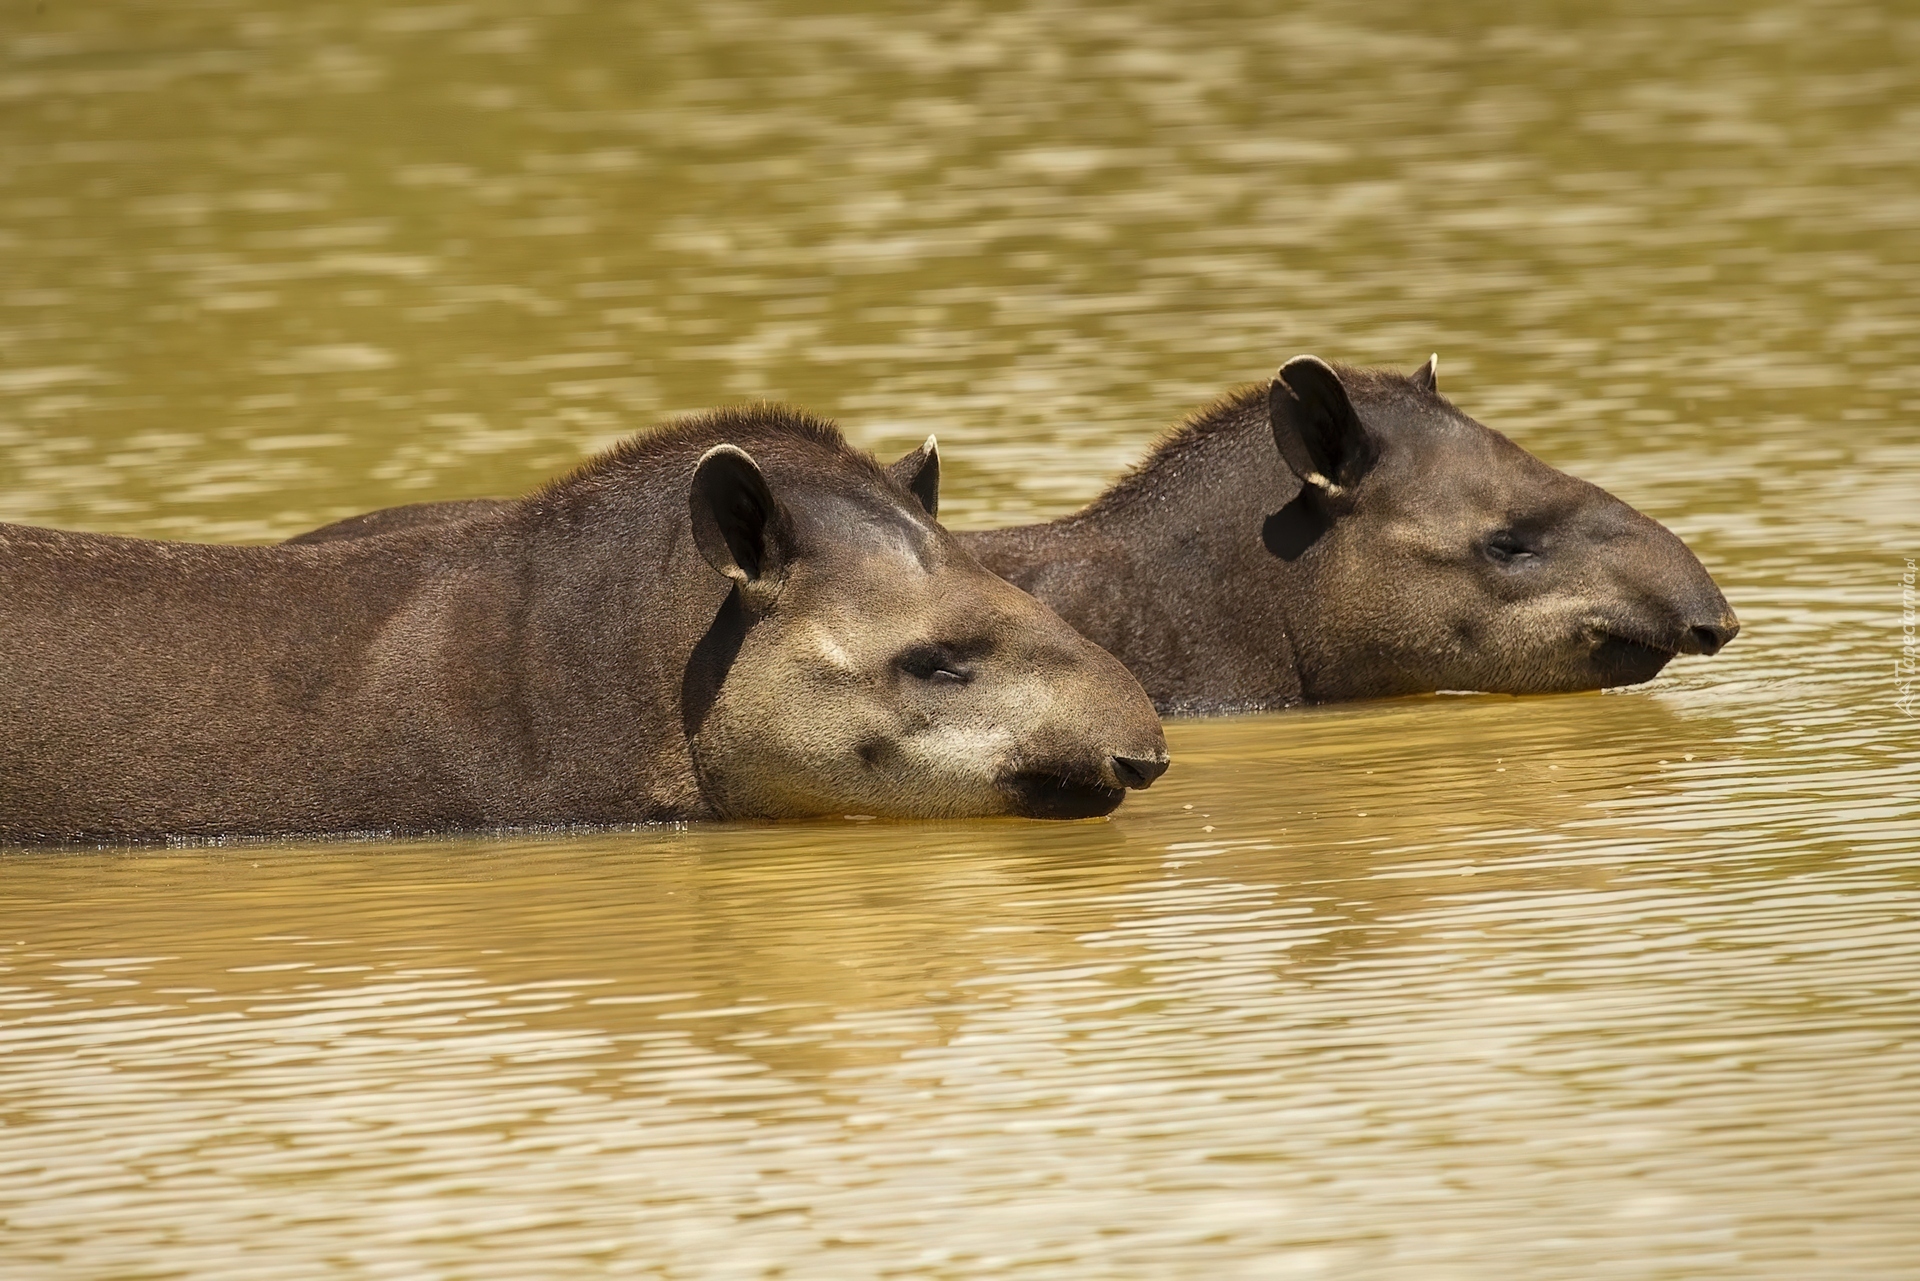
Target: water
[(1617, 985)]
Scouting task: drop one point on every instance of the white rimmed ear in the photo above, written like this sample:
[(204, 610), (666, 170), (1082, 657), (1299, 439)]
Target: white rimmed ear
[(1319, 435), (918, 472), (735, 522), (1427, 377)]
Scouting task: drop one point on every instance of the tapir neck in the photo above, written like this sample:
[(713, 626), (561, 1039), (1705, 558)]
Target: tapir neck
[(1169, 571), (618, 601)]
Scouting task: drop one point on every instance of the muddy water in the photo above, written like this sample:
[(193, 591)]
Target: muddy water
[(1622, 985)]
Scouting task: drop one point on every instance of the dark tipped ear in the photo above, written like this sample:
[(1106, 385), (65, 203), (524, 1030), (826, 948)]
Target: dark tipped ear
[(735, 519), (918, 473), (1320, 438), (1427, 377)]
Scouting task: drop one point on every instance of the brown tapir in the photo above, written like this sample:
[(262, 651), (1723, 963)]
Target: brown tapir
[(1342, 534), (736, 616), (1346, 533)]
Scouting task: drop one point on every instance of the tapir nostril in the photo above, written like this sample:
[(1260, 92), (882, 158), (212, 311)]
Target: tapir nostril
[(1138, 771), (1711, 638)]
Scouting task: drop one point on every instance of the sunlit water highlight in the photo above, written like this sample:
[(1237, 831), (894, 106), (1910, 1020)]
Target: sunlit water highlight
[(1618, 985)]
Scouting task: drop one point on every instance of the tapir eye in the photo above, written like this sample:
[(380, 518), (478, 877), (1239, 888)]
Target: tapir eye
[(1507, 547), (936, 664)]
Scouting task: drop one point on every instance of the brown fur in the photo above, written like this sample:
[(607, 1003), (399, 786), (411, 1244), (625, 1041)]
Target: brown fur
[(1225, 580), (1226, 576), (571, 657)]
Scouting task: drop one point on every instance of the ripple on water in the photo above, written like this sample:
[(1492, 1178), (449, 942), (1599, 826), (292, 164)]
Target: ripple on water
[(1445, 987)]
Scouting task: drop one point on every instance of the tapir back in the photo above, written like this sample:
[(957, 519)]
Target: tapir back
[(202, 689)]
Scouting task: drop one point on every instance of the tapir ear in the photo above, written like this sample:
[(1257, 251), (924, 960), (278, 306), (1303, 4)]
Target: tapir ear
[(735, 520), (1320, 438), (1427, 377), (919, 474)]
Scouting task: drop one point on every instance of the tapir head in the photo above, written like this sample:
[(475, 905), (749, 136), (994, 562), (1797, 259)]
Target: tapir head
[(865, 662), (1444, 556)]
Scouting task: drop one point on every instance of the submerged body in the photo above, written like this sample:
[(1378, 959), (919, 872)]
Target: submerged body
[(739, 616), (1349, 534)]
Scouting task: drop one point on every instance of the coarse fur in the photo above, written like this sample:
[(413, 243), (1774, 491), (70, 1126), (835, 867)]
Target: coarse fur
[(738, 615), (1357, 536), (1346, 533)]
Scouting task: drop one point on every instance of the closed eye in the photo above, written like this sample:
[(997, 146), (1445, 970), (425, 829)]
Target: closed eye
[(1507, 548), (935, 664)]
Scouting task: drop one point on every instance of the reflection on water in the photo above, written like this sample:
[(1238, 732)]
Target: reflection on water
[(1469, 987), (1409, 990)]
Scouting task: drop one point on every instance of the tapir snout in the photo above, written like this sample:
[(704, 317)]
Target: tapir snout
[(1660, 600), (1710, 638), (1137, 772), (1053, 774)]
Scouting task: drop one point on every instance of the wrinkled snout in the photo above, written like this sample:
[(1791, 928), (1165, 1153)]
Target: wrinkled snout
[(1137, 771), (1697, 618), (1710, 637), (1067, 791), (1665, 602), (1133, 745), (1101, 740)]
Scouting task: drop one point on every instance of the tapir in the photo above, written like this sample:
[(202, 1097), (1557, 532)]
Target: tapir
[(1340, 534), (1345, 533), (735, 616)]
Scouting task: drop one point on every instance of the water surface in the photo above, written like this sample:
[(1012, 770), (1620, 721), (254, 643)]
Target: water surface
[(1618, 985)]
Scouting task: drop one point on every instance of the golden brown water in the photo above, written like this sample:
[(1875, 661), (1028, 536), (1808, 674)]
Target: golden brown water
[(1622, 985)]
